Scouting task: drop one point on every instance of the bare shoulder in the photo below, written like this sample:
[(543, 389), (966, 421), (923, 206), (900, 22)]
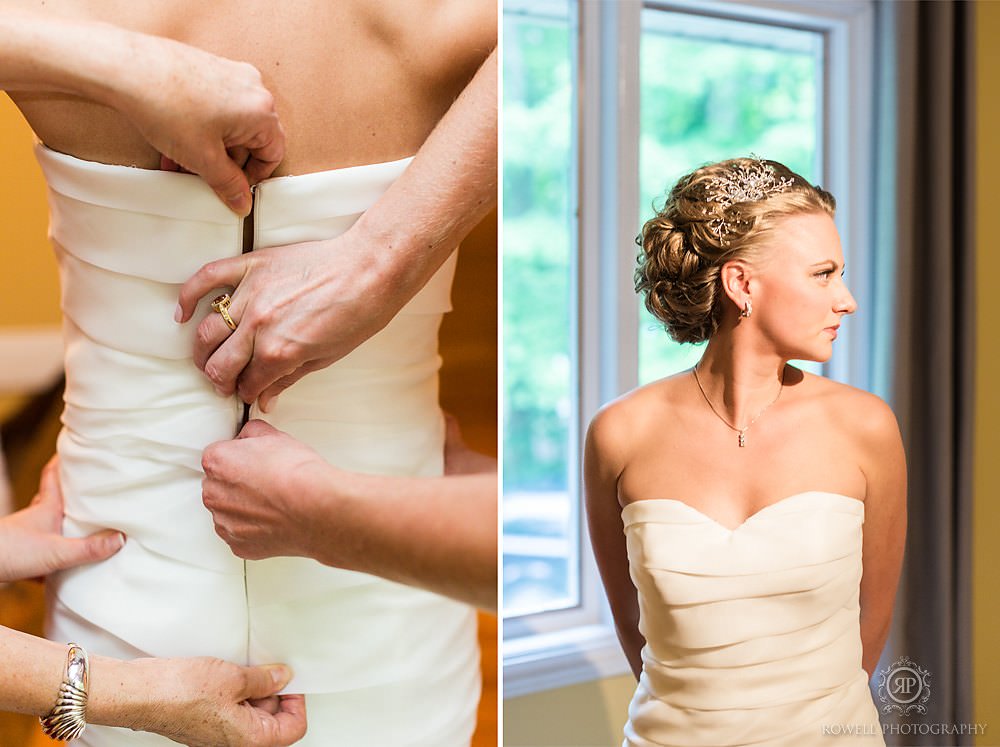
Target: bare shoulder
[(624, 421), (861, 413)]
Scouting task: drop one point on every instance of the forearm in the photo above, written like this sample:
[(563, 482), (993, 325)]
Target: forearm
[(874, 634), (39, 665), (42, 53), (438, 534), (631, 641), (448, 188)]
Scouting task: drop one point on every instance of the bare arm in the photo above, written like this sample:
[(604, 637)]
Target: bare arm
[(602, 466), (270, 495), (210, 115), (884, 530), (199, 702), (302, 307)]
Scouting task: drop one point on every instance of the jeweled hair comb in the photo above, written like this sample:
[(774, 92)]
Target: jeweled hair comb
[(744, 183)]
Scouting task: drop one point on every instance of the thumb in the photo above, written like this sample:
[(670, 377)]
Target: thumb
[(69, 553), (265, 680), (229, 183), (257, 428)]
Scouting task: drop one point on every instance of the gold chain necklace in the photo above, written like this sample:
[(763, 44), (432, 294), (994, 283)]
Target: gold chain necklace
[(741, 431)]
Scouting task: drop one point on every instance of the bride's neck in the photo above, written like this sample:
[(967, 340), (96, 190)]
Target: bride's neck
[(739, 381)]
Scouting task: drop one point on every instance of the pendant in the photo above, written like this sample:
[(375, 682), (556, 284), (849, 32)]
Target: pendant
[(743, 437)]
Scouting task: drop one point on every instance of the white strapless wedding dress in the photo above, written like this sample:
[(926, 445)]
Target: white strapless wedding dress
[(382, 664), (752, 634)]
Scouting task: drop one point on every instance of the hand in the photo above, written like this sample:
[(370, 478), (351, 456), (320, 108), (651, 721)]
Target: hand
[(298, 308), (31, 541), (459, 459), (211, 703), (259, 487), (206, 114)]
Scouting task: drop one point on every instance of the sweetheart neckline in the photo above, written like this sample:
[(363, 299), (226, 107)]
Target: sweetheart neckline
[(752, 516)]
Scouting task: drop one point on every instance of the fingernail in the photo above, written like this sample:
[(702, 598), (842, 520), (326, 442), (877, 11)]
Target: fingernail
[(116, 541), (280, 674), (178, 313)]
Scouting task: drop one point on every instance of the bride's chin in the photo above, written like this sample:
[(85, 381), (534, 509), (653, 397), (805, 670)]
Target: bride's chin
[(815, 354)]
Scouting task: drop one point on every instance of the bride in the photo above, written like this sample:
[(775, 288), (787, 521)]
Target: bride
[(358, 86), (748, 518)]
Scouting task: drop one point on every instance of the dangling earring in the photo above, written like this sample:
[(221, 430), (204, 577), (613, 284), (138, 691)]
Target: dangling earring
[(747, 310)]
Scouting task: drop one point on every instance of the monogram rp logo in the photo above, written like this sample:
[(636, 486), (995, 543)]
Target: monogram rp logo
[(904, 687)]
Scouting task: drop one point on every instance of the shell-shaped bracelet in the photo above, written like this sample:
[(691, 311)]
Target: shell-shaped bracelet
[(67, 719)]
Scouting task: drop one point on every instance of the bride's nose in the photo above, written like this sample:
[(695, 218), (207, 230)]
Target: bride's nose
[(845, 303)]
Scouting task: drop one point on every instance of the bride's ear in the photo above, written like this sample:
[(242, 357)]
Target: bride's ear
[(735, 276)]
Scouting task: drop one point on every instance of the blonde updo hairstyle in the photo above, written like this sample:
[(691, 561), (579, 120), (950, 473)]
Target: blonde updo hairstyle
[(685, 245)]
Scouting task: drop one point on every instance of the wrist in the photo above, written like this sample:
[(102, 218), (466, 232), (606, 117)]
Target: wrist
[(384, 244), (339, 513), (120, 693), (400, 258)]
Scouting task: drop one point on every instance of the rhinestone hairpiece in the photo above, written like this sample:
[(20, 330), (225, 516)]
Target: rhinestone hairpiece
[(744, 183)]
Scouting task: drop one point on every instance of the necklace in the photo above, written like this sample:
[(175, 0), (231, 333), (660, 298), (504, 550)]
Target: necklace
[(742, 432)]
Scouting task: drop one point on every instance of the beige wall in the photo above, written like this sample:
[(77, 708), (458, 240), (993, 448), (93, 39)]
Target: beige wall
[(592, 713), (587, 715)]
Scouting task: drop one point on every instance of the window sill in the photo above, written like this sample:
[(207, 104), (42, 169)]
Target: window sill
[(545, 661)]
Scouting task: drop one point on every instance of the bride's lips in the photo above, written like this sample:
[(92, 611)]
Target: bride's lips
[(832, 330)]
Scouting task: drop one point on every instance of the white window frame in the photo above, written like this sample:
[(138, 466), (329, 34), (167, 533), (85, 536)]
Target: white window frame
[(564, 647)]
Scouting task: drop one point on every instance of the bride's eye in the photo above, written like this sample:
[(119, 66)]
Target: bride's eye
[(825, 274)]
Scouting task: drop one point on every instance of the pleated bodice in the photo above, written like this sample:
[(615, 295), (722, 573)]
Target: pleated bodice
[(752, 634), (139, 414)]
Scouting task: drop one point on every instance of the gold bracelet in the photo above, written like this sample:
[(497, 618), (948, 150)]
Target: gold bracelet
[(67, 719)]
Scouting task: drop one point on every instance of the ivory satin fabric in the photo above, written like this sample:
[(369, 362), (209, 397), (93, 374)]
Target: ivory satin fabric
[(385, 664), (752, 634)]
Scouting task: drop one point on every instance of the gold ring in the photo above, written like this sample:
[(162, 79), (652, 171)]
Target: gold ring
[(222, 304)]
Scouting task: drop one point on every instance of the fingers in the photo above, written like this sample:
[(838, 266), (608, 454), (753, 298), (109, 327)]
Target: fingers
[(452, 431), (255, 374), (270, 393), (270, 704), (49, 488), (227, 359), (264, 159), (264, 681), (239, 155), (213, 331), (229, 182), (291, 719), (100, 546), (257, 428), (258, 169), (220, 274), (167, 164)]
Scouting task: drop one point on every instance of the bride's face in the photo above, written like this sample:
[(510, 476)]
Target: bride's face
[(799, 294)]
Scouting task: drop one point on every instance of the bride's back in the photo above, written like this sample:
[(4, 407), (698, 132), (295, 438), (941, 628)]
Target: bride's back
[(354, 81)]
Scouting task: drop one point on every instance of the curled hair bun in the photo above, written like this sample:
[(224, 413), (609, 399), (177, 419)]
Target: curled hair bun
[(718, 213)]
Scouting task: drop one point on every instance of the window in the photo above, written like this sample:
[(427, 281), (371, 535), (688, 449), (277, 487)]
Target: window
[(541, 552), (606, 104), (742, 88)]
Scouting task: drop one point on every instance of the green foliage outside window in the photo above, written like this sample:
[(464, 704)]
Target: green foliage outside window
[(704, 100)]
